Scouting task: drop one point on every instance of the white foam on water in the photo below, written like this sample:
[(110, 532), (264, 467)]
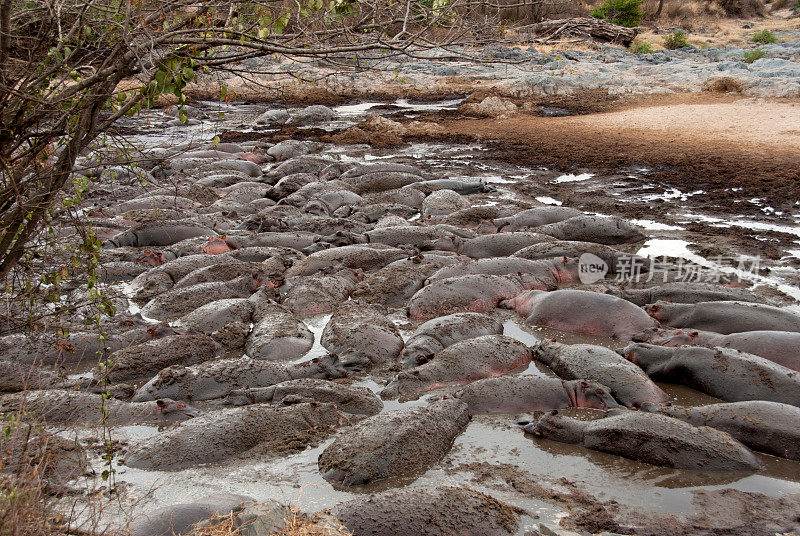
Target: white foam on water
[(574, 178), (656, 226), (548, 200)]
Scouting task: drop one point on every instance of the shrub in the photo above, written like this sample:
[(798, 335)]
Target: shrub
[(752, 55), (623, 12), (676, 40), (764, 37), (642, 47)]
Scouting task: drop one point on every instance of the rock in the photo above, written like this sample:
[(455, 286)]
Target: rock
[(261, 518)]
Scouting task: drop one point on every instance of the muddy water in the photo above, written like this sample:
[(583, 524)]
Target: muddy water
[(494, 442)]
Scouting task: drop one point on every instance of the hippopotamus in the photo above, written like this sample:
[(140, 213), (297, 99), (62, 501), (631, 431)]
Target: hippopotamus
[(319, 294), (380, 167), (524, 394), (158, 234), (725, 316), (29, 450), (287, 239), (608, 230), (155, 201), (58, 406), (395, 284), (177, 302), (682, 292), (358, 256), (312, 115), (313, 164), (729, 375), (617, 261), (460, 187), (347, 398), (477, 293), (290, 184), (15, 376), (217, 314), (227, 432), (288, 149), (582, 311), (544, 274), (146, 359), (329, 204), (443, 202), (768, 427), (535, 217), (361, 335), (651, 438), (392, 444), (277, 335), (435, 335), (407, 197), (421, 237), (216, 379), (628, 384), (461, 363), (781, 347), (501, 244), (379, 181), (273, 116), (161, 278), (179, 519), (418, 511), (473, 217)]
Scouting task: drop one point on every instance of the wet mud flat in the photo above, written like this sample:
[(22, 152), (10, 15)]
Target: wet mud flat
[(688, 236)]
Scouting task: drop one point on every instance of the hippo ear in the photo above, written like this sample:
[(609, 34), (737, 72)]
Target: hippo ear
[(554, 412), (584, 384)]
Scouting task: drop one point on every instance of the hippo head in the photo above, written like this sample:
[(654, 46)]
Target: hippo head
[(645, 355), (656, 310), (679, 338), (216, 245), (557, 428), (327, 367), (589, 394), (172, 411), (152, 257)]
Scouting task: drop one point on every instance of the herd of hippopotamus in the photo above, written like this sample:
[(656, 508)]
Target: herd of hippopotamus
[(218, 271)]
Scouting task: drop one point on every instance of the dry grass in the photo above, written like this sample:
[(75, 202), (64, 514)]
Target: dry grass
[(297, 524)]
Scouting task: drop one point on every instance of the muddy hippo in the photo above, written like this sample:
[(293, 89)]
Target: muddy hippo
[(435, 335), (319, 294), (608, 230), (534, 217), (395, 284), (461, 363), (357, 256), (161, 278), (544, 274), (582, 311), (158, 234), (225, 433), (476, 293), (364, 169), (628, 384), (392, 444), (781, 347), (421, 237), (349, 399), (330, 203), (725, 316), (443, 202), (277, 335), (524, 394), (146, 359), (380, 181), (288, 149), (216, 379), (361, 335), (460, 187), (16, 376), (216, 315), (57, 406), (651, 438), (729, 375), (681, 292), (501, 244), (179, 519), (617, 261)]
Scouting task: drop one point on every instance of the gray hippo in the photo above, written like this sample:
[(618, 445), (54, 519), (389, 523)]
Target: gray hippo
[(651, 438), (608, 230), (225, 433), (364, 169), (216, 315), (395, 284), (442, 203), (628, 383), (582, 311), (411, 235), (458, 186), (357, 256), (763, 426), (523, 394), (180, 519), (501, 244), (617, 261), (781, 347), (435, 335), (56, 406), (682, 292), (380, 181), (277, 335), (729, 375), (392, 444), (725, 316), (419, 511), (546, 274), (216, 379), (349, 399), (535, 217), (319, 294), (15, 376), (146, 359), (361, 335), (28, 450), (477, 293), (158, 234), (460, 363)]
